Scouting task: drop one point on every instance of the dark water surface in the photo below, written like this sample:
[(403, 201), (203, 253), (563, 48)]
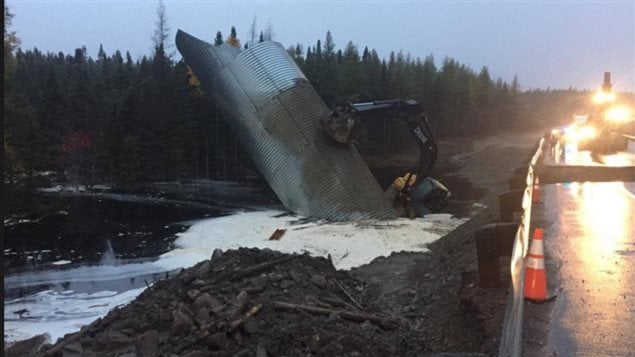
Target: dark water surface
[(88, 226)]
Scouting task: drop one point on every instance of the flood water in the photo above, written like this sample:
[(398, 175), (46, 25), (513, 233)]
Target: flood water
[(87, 228), (79, 254), (89, 253)]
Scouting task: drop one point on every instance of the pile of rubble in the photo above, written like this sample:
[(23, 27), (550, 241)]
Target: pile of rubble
[(248, 302)]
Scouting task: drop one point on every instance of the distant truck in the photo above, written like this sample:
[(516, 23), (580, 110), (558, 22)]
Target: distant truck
[(601, 131)]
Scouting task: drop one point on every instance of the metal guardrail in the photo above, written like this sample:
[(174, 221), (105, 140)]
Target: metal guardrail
[(511, 337), (630, 143)]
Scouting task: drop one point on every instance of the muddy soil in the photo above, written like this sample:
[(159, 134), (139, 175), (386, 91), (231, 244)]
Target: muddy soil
[(440, 288), (418, 302)]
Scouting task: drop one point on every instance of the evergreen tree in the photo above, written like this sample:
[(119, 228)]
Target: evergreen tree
[(129, 172), (24, 147), (351, 80), (218, 40), (233, 40), (162, 31), (118, 119)]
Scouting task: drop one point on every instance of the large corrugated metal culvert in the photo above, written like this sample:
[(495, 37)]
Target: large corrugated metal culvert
[(275, 112)]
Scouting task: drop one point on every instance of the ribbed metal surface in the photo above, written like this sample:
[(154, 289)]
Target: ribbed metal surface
[(275, 112)]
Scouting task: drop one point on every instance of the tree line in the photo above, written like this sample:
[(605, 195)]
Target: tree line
[(118, 120)]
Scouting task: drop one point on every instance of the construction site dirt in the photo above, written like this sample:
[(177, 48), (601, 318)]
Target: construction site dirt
[(251, 302)]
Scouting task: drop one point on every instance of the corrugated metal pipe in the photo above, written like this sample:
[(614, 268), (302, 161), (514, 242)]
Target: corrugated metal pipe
[(275, 112)]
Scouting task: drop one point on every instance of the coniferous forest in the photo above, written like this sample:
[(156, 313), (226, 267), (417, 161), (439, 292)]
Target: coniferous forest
[(118, 120)]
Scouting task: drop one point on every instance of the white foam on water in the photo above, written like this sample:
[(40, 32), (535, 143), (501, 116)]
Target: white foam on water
[(59, 313), (61, 262), (97, 273), (350, 245)]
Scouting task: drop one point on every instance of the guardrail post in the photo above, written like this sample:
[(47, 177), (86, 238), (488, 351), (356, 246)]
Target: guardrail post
[(522, 170), (517, 182), (492, 242), (508, 203), (506, 234), (487, 257)]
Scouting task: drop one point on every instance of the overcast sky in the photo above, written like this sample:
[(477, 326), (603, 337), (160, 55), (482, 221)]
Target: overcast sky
[(557, 44)]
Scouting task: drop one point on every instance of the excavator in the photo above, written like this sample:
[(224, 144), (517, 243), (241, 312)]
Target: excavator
[(414, 193)]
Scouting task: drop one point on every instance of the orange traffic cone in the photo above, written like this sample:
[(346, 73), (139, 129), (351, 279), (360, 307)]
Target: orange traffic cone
[(535, 195), (535, 275)]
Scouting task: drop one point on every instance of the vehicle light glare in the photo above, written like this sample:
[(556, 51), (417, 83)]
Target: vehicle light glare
[(620, 114), (601, 97), (587, 132), (572, 135)]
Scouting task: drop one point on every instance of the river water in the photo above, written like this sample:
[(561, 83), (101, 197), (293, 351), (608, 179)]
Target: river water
[(92, 252)]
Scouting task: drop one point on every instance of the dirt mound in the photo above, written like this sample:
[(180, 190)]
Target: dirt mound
[(249, 302)]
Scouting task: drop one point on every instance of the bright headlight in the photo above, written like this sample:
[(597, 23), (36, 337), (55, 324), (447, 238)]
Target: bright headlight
[(619, 114), (601, 97), (587, 132)]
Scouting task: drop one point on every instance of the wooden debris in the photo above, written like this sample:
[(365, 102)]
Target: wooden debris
[(238, 305), (277, 234), (385, 322), (348, 295), (334, 301), (236, 323), (260, 267)]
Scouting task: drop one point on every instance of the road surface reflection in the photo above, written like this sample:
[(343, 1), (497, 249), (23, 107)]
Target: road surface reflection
[(604, 217), (594, 239)]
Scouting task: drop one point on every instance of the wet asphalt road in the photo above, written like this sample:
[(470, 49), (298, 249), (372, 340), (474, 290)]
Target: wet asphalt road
[(589, 230), (591, 240)]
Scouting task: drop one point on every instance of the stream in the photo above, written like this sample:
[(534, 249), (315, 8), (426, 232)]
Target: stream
[(92, 252)]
